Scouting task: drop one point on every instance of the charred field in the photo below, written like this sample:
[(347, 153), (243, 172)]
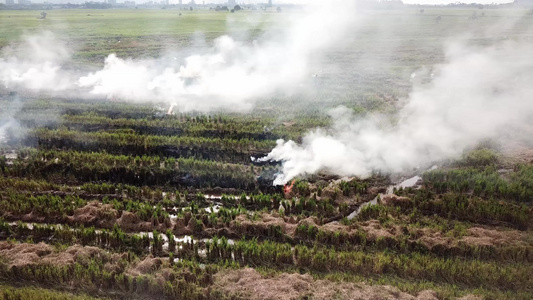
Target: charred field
[(103, 196)]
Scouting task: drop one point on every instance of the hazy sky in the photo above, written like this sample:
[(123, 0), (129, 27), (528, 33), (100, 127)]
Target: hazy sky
[(404, 1), (437, 2), (447, 2)]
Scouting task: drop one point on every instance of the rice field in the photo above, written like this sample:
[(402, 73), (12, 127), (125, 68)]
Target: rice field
[(105, 199)]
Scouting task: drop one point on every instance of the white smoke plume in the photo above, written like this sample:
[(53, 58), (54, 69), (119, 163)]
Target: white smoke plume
[(36, 64), (9, 126), (231, 75), (477, 94)]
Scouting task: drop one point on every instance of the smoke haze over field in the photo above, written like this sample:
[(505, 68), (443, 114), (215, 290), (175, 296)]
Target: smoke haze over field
[(230, 76), (477, 94)]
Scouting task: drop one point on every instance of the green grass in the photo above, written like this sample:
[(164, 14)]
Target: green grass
[(8, 292), (140, 27)]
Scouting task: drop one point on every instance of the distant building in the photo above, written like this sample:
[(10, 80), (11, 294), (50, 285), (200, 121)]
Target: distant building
[(232, 3), (181, 2), (24, 2), (269, 3), (10, 2), (112, 2)]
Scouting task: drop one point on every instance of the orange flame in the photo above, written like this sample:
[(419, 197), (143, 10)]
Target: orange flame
[(287, 189)]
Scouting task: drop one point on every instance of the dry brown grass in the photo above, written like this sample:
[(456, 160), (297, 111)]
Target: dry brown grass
[(485, 236), (95, 214), (23, 254), (249, 284), (129, 221), (242, 224), (393, 200), (146, 266)]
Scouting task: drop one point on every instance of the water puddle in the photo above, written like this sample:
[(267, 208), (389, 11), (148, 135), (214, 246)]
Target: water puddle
[(219, 197), (10, 156), (411, 182), (215, 208), (230, 241), (178, 240), (360, 208)]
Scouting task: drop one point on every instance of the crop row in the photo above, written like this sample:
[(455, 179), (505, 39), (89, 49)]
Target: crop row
[(486, 183), (455, 206), (61, 166), (470, 272), (411, 265), (134, 144)]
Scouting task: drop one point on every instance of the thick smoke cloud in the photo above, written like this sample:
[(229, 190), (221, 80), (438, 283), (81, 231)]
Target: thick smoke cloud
[(36, 64), (479, 93), (231, 75)]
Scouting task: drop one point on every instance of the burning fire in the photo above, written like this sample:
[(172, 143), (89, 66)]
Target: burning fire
[(287, 189)]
